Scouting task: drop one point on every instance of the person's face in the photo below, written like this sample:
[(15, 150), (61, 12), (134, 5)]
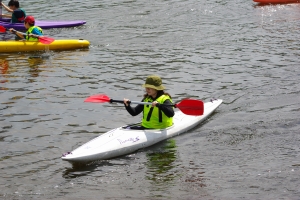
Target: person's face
[(13, 7), (151, 92), (26, 25)]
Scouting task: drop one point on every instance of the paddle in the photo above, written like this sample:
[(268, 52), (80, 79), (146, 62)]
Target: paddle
[(2, 29), (187, 106), (42, 39)]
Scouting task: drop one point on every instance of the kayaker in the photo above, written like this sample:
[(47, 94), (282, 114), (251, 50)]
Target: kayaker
[(18, 14), (32, 31), (160, 114)]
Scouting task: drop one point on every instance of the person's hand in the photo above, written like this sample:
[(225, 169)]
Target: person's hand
[(12, 30), (154, 103), (126, 101)]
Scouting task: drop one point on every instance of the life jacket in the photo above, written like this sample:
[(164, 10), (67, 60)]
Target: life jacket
[(29, 31), (153, 117)]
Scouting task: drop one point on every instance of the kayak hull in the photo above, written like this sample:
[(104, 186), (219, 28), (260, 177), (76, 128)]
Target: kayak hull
[(122, 141), (21, 46), (42, 24), (277, 1)]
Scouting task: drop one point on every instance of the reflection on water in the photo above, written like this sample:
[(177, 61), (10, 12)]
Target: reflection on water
[(79, 170), (11, 68), (160, 164), (163, 170), (4, 66), (3, 70), (35, 63)]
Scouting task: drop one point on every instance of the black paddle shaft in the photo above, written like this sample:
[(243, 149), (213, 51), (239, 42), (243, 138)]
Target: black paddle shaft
[(135, 102)]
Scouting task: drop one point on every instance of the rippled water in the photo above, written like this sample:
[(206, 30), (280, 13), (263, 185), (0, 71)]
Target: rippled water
[(241, 52)]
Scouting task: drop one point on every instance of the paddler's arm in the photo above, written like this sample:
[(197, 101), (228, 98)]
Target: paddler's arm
[(166, 107), (6, 8), (5, 15), (133, 111), (20, 34)]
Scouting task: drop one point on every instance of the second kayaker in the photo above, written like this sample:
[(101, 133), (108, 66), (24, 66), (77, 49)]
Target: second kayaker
[(32, 31), (160, 114), (18, 14)]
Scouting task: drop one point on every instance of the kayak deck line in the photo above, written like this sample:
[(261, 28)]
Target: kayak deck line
[(121, 141)]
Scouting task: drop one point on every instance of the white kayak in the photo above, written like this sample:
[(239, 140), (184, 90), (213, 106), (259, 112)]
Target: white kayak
[(121, 141)]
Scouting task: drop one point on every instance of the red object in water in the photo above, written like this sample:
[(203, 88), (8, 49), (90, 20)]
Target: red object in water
[(277, 1)]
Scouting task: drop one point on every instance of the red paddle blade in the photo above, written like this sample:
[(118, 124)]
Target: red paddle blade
[(191, 107), (45, 40), (98, 98), (2, 29)]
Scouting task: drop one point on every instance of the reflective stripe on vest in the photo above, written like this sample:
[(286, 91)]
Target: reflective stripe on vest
[(29, 31), (153, 117)]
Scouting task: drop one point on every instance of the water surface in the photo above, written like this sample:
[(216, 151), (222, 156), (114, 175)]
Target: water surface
[(238, 51)]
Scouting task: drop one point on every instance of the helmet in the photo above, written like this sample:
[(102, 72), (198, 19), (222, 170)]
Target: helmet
[(29, 19)]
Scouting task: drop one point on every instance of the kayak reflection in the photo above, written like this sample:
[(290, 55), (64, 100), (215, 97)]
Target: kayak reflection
[(3, 70), (9, 68), (35, 64), (160, 164), (3, 66)]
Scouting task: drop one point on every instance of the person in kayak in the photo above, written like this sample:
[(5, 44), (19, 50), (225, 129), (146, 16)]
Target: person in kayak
[(160, 114), (32, 31), (18, 14)]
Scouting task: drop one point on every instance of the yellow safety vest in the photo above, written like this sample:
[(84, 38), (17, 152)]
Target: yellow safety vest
[(155, 118), (29, 31)]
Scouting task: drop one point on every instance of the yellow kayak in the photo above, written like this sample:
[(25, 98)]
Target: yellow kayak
[(19, 46)]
